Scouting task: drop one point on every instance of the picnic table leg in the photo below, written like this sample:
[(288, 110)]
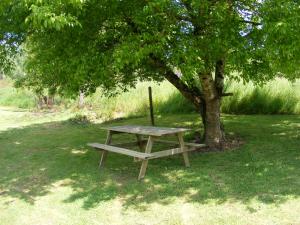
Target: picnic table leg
[(185, 154), (145, 162), (140, 144), (104, 153)]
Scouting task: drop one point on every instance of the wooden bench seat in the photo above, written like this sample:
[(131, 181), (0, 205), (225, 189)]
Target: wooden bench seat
[(187, 144), (119, 150)]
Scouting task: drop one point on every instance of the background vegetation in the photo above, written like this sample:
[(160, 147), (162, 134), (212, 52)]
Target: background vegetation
[(276, 97), (10, 96)]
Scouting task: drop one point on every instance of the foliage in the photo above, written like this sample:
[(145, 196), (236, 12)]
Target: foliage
[(80, 45), (76, 46)]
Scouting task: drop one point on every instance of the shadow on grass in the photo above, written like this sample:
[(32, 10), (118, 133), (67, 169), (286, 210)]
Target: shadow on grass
[(38, 159)]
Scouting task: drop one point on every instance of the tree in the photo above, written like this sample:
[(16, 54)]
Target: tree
[(79, 45)]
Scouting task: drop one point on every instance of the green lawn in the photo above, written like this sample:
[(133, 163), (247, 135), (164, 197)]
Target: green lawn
[(49, 176)]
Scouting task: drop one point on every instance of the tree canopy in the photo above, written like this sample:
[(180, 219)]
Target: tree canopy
[(79, 45)]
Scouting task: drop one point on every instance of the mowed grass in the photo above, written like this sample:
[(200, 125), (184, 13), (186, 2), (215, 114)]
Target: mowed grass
[(49, 176)]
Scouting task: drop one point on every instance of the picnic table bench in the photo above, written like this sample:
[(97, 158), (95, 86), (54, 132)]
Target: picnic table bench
[(154, 134)]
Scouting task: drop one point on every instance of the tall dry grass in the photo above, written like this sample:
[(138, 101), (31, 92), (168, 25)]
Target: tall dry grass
[(276, 97)]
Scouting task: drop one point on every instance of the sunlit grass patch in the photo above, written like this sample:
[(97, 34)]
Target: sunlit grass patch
[(49, 176)]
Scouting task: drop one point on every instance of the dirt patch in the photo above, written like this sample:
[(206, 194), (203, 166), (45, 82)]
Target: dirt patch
[(232, 142)]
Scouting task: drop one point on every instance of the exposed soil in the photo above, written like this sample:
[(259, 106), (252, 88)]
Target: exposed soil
[(232, 142)]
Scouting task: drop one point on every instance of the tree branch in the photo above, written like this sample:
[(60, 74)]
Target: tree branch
[(251, 22), (227, 94), (190, 93), (219, 76)]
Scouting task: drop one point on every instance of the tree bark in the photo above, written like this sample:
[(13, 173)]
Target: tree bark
[(40, 101), (214, 135), (50, 101), (219, 82), (219, 76), (191, 94), (81, 100)]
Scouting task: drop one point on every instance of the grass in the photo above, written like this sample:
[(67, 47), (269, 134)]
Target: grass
[(10, 96), (49, 176), (276, 97)]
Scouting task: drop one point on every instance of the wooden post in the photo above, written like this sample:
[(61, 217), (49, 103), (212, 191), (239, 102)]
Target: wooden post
[(151, 106)]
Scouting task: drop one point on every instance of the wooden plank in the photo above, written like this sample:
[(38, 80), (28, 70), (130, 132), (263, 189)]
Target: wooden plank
[(169, 152), (145, 162), (185, 154), (104, 153), (196, 145), (146, 130), (119, 150), (130, 144)]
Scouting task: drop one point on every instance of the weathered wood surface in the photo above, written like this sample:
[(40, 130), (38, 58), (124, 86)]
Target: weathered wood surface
[(189, 144), (104, 153), (140, 144), (145, 162), (146, 130), (119, 150), (183, 149), (153, 134), (169, 152), (152, 155)]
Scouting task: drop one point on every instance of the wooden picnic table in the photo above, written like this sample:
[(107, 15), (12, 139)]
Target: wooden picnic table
[(153, 134)]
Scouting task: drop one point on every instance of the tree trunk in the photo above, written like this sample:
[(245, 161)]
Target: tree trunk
[(81, 100), (207, 100), (40, 101), (214, 135), (50, 101)]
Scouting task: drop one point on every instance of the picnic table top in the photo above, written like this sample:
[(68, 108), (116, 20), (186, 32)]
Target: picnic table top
[(146, 130)]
